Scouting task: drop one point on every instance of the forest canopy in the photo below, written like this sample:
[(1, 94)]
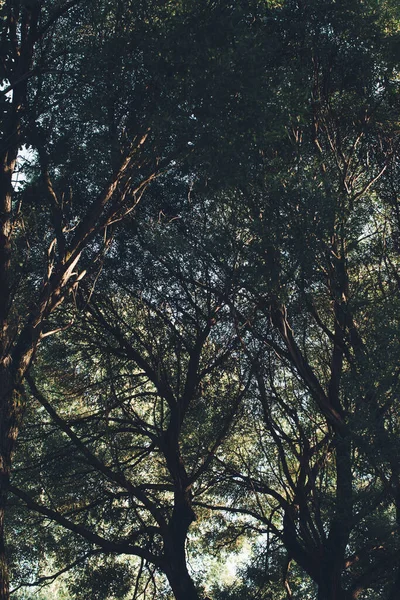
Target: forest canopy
[(199, 300)]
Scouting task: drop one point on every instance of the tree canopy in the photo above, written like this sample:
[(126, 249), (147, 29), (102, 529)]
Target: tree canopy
[(200, 299)]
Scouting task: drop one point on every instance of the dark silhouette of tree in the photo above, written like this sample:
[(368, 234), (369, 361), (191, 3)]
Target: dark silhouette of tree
[(156, 356)]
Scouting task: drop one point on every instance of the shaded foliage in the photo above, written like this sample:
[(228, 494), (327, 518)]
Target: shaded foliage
[(233, 371)]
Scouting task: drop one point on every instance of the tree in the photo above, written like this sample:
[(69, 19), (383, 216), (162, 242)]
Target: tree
[(156, 355), (102, 98), (316, 290)]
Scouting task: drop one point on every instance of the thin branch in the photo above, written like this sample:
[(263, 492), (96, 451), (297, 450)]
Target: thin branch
[(47, 579), (119, 547), (117, 478)]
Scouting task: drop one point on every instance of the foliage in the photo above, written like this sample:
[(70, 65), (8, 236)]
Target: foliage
[(228, 369)]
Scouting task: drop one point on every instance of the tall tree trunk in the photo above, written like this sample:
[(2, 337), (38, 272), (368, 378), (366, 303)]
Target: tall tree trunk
[(182, 515), (330, 581), (395, 591), (6, 434)]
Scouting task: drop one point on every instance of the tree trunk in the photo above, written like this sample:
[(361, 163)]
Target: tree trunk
[(5, 360), (395, 591), (5, 467), (11, 413), (330, 585), (4, 578), (23, 19), (180, 581), (177, 573), (175, 548), (326, 592)]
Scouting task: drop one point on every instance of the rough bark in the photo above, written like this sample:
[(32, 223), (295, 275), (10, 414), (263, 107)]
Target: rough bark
[(330, 589), (180, 581)]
